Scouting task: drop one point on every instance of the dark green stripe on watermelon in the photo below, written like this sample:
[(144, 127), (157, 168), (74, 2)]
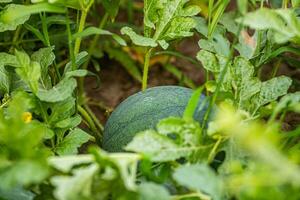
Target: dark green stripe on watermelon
[(143, 111)]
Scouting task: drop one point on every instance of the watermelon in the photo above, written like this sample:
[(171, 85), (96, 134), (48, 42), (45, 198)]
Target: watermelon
[(143, 111)]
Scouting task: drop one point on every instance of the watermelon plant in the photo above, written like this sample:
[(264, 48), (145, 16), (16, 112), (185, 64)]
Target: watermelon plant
[(80, 117)]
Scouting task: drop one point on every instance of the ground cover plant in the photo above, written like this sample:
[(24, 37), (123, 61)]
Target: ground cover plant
[(65, 65)]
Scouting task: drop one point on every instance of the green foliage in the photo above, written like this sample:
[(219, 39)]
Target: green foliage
[(164, 21), (75, 4), (60, 92), (76, 186), (28, 71), (72, 141), (150, 191), (158, 147), (97, 31), (247, 91), (99, 175), (20, 164), (17, 194), (175, 138), (282, 21), (201, 178), (192, 104), (245, 146), (14, 15), (138, 39)]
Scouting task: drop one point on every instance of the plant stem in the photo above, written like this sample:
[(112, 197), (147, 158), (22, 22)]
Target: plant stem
[(93, 116), (213, 151), (275, 69), (45, 28), (15, 38), (45, 118), (262, 3), (285, 4), (146, 69), (221, 6), (279, 51), (70, 45), (210, 13), (95, 39), (28, 40), (80, 29), (130, 11), (47, 40), (206, 80), (12, 15), (90, 52), (90, 123)]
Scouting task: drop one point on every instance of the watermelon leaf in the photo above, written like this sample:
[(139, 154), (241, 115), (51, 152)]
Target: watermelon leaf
[(282, 21), (159, 148), (72, 142), (19, 135), (164, 21), (138, 39), (4, 81), (45, 57), (17, 193), (29, 71), (97, 31), (67, 162), (60, 92), (78, 185), (149, 191), (272, 89), (199, 177), (123, 164), (14, 15), (175, 138), (290, 100), (8, 60), (208, 60)]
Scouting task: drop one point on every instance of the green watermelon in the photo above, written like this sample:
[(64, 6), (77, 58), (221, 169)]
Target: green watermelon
[(143, 111)]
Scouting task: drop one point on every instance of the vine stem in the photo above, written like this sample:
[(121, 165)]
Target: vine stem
[(15, 38), (285, 4), (214, 150), (93, 116), (90, 52), (275, 69), (47, 41), (90, 123), (80, 29), (70, 45), (146, 69), (95, 39)]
